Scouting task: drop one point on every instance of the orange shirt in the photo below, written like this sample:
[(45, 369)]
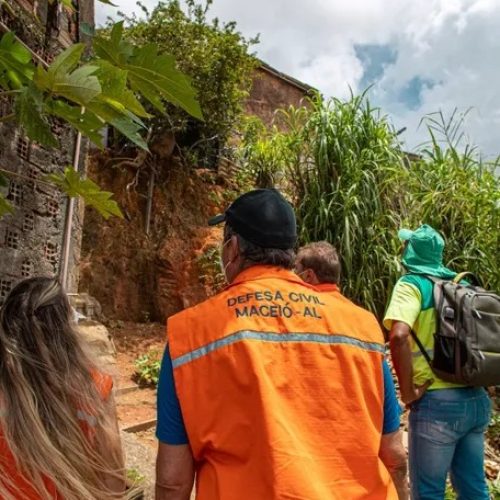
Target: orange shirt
[(104, 384)]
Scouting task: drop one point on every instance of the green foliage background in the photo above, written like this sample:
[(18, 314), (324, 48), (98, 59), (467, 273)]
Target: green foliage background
[(354, 185), (216, 57)]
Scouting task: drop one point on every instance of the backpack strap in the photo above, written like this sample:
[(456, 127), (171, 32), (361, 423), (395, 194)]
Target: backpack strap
[(435, 280), (425, 354), (473, 278)]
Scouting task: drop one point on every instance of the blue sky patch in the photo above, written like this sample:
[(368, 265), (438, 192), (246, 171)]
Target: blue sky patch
[(411, 94), (374, 58)]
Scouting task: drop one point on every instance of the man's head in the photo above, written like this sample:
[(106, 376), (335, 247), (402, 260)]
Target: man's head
[(318, 263), (260, 228)]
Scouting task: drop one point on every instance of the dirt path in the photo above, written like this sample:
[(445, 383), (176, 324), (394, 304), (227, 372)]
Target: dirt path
[(136, 405)]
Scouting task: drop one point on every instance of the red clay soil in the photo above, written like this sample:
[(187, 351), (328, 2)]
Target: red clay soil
[(132, 340), (136, 277)]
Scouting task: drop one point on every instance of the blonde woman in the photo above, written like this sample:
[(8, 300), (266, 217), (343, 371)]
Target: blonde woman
[(58, 431)]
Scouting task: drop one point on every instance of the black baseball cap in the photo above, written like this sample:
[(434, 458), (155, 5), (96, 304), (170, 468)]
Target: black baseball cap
[(263, 217)]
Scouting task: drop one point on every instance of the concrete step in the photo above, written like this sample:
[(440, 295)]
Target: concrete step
[(121, 391), (141, 426)]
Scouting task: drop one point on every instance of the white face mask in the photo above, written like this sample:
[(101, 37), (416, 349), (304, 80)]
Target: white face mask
[(223, 267)]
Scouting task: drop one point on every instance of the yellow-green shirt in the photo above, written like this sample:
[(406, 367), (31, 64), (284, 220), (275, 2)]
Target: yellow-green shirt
[(412, 302)]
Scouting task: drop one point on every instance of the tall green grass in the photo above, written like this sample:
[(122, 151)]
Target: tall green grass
[(355, 186)]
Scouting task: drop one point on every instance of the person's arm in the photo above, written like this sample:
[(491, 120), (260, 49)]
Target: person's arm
[(174, 472), (401, 315), (175, 463), (399, 339), (393, 454)]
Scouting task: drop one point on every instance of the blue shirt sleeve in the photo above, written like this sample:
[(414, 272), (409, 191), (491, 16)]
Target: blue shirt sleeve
[(170, 427), (392, 409)]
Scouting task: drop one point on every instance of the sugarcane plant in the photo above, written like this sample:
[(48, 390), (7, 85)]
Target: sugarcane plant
[(354, 185)]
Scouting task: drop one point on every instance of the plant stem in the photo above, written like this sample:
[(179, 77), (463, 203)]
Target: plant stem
[(6, 93), (24, 177), (7, 118)]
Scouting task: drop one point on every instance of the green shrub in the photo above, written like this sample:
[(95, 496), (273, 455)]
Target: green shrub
[(135, 477), (211, 274), (148, 368), (216, 57)]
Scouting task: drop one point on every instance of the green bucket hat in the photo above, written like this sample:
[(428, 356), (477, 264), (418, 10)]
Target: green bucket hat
[(424, 252)]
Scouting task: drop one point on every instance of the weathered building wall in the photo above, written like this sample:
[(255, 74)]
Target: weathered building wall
[(272, 90), (31, 238)]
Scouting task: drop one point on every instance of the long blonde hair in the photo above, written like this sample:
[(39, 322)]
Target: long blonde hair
[(45, 378)]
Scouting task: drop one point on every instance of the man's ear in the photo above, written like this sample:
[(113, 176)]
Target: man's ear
[(233, 248), (311, 277)]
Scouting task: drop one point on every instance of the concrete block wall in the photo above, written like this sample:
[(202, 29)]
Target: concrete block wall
[(31, 238)]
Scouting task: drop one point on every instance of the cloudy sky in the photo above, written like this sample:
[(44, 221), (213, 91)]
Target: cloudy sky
[(420, 56)]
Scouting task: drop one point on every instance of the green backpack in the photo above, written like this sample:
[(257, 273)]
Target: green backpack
[(467, 339)]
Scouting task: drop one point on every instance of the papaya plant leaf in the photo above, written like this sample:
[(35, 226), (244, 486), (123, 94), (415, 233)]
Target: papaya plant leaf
[(5, 207), (29, 114), (80, 86), (71, 183), (157, 73), (115, 92), (126, 123), (87, 123), (61, 78), (113, 49), (153, 75), (16, 68), (66, 60), (130, 129)]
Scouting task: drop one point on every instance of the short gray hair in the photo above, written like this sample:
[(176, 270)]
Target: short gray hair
[(254, 254)]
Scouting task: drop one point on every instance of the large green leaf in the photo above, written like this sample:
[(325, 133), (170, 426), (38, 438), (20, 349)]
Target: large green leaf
[(126, 123), (87, 123), (107, 2), (16, 68), (115, 92), (77, 85), (113, 49), (149, 73), (29, 113), (66, 60), (129, 129), (157, 74), (74, 186)]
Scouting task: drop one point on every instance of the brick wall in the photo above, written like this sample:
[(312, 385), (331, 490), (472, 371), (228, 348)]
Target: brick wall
[(272, 90)]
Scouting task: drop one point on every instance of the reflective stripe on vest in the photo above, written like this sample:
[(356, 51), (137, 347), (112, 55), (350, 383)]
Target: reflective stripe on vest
[(317, 338)]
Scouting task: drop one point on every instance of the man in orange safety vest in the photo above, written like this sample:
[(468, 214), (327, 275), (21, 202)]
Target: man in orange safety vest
[(270, 389)]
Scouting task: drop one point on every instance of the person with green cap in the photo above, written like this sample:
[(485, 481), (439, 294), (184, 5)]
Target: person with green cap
[(447, 421)]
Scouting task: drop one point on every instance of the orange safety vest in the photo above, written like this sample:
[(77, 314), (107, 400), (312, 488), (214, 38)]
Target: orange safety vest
[(281, 391), (104, 385)]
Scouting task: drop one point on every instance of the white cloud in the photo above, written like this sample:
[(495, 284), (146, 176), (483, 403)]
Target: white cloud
[(452, 43)]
